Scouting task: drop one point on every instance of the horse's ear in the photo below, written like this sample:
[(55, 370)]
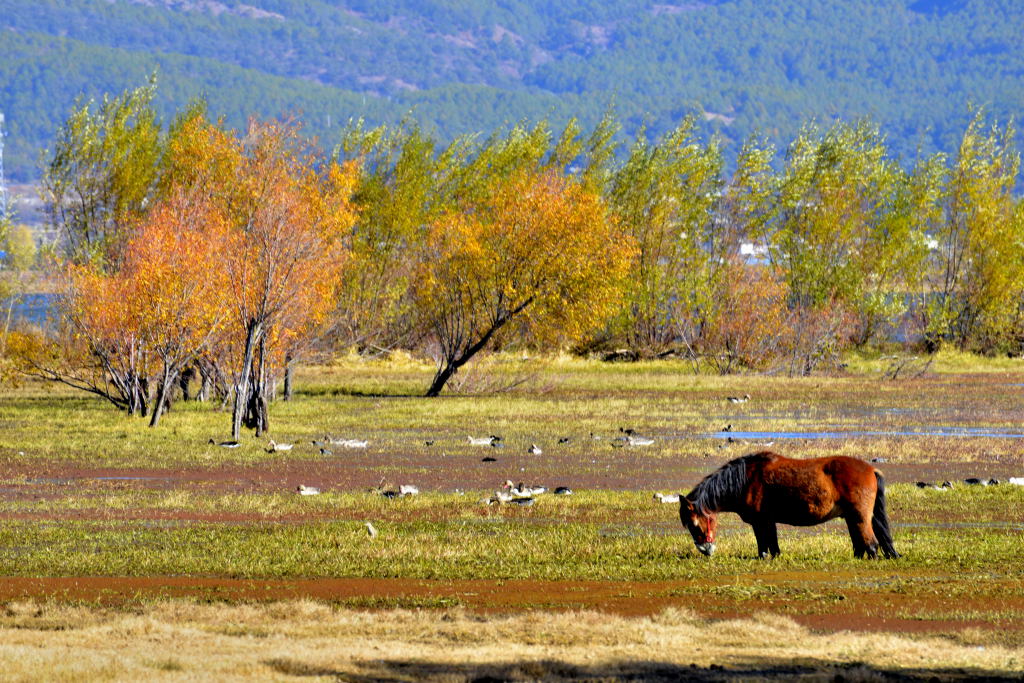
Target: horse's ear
[(685, 503)]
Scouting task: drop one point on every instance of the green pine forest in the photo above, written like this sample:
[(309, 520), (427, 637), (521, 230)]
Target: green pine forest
[(745, 67)]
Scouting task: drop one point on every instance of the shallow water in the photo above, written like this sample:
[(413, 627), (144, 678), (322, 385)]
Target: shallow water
[(952, 432)]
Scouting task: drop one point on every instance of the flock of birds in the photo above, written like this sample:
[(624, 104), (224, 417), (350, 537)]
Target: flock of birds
[(520, 494), (626, 437), (970, 481)]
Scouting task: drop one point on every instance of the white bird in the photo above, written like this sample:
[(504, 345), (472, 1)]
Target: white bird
[(347, 443), (1016, 481), (738, 399), (371, 530), (519, 491), (639, 440), (534, 450), (669, 498), (480, 440), (501, 497), (278, 447), (408, 490), (308, 490)]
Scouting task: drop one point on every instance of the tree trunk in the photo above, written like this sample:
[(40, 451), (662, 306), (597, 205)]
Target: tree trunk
[(185, 380), (444, 373), (242, 386), (256, 416), (453, 362), (162, 397), (204, 388), (288, 377)]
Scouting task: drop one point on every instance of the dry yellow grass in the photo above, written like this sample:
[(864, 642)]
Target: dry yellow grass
[(179, 640)]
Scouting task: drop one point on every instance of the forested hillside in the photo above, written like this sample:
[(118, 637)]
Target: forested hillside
[(745, 66)]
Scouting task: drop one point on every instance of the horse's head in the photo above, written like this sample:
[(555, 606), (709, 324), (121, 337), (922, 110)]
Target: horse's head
[(702, 525)]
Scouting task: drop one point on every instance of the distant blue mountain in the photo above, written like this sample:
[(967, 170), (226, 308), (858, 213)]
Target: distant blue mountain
[(743, 66)]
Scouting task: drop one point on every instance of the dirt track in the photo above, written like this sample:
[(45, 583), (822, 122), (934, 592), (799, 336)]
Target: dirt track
[(849, 610)]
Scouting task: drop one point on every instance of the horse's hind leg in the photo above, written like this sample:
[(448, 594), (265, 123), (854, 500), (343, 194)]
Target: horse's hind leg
[(767, 535), (862, 535)]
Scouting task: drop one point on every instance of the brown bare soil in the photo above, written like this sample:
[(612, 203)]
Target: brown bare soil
[(850, 609)]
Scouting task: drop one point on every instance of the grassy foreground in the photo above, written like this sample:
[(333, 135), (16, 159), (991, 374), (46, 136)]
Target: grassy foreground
[(310, 641)]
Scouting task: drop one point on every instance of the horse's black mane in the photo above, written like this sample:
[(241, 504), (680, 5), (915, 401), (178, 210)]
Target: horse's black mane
[(726, 483)]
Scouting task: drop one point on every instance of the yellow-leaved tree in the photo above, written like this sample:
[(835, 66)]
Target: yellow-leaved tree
[(535, 247), (288, 214)]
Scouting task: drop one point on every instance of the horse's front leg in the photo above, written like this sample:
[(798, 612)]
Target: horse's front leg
[(767, 535)]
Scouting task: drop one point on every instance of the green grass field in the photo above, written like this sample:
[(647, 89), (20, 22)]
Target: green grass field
[(90, 495)]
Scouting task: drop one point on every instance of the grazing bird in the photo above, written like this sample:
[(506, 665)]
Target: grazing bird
[(429, 442), (226, 444), (325, 451), (534, 450), (738, 399), (945, 486), (371, 530), (563, 491), (627, 432), (667, 498), (273, 447), (639, 440), (727, 428), (480, 440), (974, 481), (564, 439), (308, 490), (403, 491), (346, 443), (522, 491), (506, 496)]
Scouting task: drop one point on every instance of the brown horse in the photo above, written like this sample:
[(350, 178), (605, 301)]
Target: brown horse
[(766, 489)]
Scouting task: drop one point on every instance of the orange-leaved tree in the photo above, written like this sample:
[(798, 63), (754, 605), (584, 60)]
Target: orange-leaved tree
[(288, 214), (141, 323), (535, 247), (174, 262)]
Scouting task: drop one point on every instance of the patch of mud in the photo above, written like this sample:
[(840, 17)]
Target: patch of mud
[(837, 608), (611, 469)]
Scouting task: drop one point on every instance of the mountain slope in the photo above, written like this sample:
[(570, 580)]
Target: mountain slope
[(744, 66)]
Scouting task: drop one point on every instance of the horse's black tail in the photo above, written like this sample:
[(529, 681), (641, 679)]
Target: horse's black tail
[(880, 521)]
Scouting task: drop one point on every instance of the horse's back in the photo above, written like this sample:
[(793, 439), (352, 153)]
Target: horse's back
[(809, 491)]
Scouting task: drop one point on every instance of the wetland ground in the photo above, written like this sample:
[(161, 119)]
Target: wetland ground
[(146, 539)]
